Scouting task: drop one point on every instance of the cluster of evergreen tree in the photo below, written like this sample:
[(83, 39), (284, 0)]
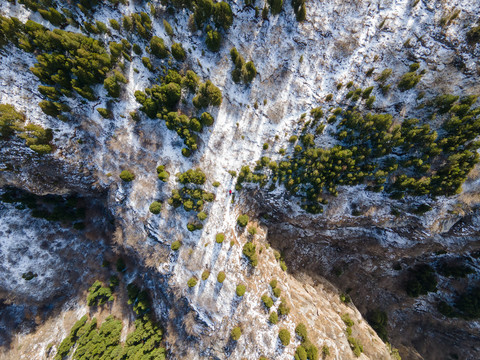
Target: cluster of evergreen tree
[(160, 101), (400, 158), (208, 16), (87, 340), (244, 72), (191, 195)]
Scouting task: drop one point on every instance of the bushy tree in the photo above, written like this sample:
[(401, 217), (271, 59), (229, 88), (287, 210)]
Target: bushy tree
[(127, 176), (284, 336), (213, 40), (240, 290), (155, 207), (236, 333), (158, 48), (243, 220), (178, 52), (222, 15)]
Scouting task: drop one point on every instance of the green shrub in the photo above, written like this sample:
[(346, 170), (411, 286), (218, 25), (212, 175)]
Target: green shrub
[(155, 207), (473, 35), (127, 176), (192, 282), (409, 80), (325, 351), (301, 331), (277, 292), (216, 184), (346, 319), (275, 6), (267, 301), (300, 353), (176, 245), (168, 28), (355, 345), (202, 215), (221, 277), (158, 48), (384, 75), (249, 250), (222, 15), (41, 148), (283, 308), (273, 283), (273, 318), (114, 24), (284, 336), (242, 220), (236, 333), (163, 175), (378, 321), (104, 113), (98, 294), (29, 276), (213, 40), (252, 230), (219, 238), (178, 52), (146, 62), (207, 94), (205, 275), (421, 280), (240, 290)]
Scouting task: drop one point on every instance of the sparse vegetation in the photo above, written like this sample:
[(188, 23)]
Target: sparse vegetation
[(236, 333), (240, 290), (127, 176), (284, 336)]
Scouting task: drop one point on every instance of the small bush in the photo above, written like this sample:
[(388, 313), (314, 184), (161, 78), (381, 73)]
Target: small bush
[(176, 245), (346, 319), (155, 207), (219, 238), (221, 277), (300, 353), (127, 176), (277, 292), (473, 35), (249, 250), (284, 336), (168, 28), (192, 282), (273, 283), (355, 345), (243, 220), (216, 184), (178, 52), (267, 301), (325, 350), (409, 80), (301, 331), (240, 290), (283, 308), (158, 47), (273, 318), (236, 333), (213, 40), (205, 275), (252, 230)]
